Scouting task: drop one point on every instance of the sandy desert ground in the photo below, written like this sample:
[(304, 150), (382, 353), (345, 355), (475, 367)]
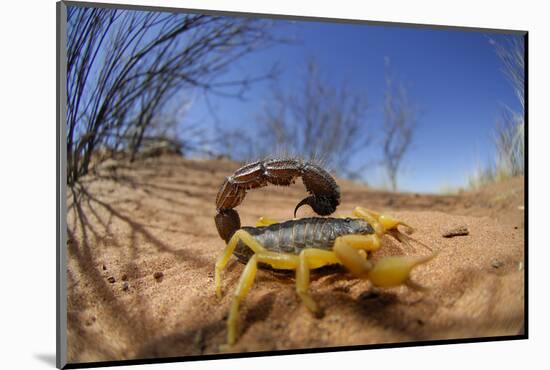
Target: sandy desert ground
[(142, 246)]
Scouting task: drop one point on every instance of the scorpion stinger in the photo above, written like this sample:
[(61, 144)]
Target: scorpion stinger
[(325, 193), (321, 205)]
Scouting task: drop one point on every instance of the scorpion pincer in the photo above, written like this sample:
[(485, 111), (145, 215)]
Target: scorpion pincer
[(304, 244)]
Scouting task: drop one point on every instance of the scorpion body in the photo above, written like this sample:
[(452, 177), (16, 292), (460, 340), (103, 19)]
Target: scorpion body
[(303, 244), (296, 235)]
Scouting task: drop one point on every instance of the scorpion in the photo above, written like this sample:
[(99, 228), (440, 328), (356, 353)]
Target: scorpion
[(303, 244)]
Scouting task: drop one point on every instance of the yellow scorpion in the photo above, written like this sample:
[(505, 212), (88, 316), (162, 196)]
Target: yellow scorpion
[(303, 244)]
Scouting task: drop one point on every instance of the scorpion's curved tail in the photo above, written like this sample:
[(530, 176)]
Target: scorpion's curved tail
[(323, 199)]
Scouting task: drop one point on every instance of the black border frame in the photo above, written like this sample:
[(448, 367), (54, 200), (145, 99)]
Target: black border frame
[(61, 187)]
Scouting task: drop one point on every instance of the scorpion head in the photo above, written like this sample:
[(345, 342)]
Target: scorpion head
[(385, 224)]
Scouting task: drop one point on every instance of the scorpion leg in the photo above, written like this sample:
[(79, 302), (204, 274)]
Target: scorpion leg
[(276, 260), (264, 221), (245, 283), (308, 259), (348, 247), (311, 259), (228, 251), (388, 272)]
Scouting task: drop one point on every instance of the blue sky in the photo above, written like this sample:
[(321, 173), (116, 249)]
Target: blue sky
[(454, 77)]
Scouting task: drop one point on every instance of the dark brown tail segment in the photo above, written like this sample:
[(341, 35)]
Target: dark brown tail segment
[(227, 222), (324, 193)]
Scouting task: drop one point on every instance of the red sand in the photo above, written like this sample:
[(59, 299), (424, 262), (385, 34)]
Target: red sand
[(142, 247)]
